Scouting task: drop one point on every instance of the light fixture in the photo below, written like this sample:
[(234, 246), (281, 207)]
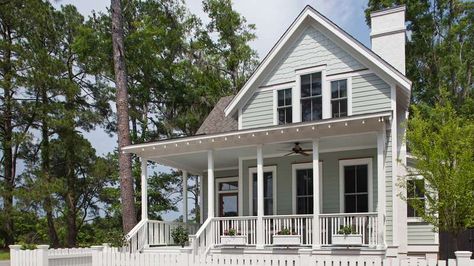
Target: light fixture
[(345, 124), (363, 122)]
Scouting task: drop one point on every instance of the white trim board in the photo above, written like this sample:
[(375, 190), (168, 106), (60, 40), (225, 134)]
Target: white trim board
[(253, 170), (348, 162), (298, 166)]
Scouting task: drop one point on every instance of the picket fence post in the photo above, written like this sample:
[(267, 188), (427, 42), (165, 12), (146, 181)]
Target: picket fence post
[(14, 249), (463, 258), (97, 255), (42, 251)]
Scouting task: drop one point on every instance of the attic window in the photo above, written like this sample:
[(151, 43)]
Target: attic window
[(311, 97), (339, 98), (284, 107)]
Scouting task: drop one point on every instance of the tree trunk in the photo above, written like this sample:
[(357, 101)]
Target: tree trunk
[(48, 208), (123, 131), (7, 145)]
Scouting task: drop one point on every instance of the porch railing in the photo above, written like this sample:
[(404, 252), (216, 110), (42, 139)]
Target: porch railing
[(301, 225), (364, 224), (154, 233), (243, 225)]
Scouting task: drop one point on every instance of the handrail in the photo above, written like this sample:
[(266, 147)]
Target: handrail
[(200, 236), (135, 229), (235, 218), (288, 216), (357, 214)]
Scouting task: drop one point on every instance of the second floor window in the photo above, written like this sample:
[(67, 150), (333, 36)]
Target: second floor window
[(339, 98), (415, 195), (311, 97), (284, 107)]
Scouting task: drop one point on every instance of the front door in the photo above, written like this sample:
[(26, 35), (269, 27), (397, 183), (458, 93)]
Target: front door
[(227, 196)]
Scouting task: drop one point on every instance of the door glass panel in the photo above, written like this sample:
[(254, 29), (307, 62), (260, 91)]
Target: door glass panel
[(228, 186), (229, 205), (304, 191), (267, 193)]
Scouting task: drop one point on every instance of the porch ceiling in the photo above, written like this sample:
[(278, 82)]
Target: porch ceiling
[(354, 132)]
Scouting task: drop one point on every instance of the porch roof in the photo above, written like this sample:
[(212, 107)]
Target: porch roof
[(174, 152)]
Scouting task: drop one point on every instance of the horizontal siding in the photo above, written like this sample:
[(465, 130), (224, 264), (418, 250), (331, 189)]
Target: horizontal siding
[(370, 94), (420, 234), (258, 112), (312, 49)]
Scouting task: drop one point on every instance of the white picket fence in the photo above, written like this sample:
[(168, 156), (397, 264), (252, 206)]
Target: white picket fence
[(106, 256)]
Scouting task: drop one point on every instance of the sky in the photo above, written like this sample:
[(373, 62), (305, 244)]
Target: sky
[(271, 18)]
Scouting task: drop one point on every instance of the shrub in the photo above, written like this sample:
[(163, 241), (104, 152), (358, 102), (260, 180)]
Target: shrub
[(180, 235)]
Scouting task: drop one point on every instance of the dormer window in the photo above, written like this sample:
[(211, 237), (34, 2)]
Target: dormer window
[(311, 97), (339, 98), (284, 109)]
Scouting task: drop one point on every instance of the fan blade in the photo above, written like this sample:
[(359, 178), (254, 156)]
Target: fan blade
[(289, 153), (303, 153), (307, 150)]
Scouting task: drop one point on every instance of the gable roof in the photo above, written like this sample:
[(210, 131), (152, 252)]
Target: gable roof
[(217, 121), (339, 34)]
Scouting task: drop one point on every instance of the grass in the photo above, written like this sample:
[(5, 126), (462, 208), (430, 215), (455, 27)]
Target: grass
[(4, 255)]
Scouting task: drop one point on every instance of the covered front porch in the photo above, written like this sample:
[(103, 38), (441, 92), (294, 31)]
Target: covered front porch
[(256, 195)]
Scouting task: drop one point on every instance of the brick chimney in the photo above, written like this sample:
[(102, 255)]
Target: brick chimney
[(388, 35)]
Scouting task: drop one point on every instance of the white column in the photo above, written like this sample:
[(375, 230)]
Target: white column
[(260, 209), (380, 189), (201, 200), (316, 203), (210, 184), (185, 196), (144, 181)]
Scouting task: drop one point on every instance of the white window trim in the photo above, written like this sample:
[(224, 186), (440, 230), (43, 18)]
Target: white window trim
[(222, 180), (415, 219), (253, 170), (349, 92), (298, 166), (349, 162), (296, 93)]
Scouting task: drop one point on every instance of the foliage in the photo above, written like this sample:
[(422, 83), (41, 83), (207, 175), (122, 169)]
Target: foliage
[(180, 235), (231, 232), (346, 230), (4, 255), (285, 232), (442, 142)]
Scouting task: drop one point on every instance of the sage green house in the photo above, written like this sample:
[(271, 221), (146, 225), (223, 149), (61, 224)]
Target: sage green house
[(310, 148)]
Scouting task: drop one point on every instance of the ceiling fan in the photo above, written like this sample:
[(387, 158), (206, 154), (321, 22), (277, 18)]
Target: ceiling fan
[(298, 150)]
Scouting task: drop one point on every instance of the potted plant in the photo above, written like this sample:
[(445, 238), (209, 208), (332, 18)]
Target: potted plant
[(347, 236), (180, 235), (232, 238), (286, 237)]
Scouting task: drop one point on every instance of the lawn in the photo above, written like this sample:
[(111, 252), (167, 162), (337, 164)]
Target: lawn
[(4, 255)]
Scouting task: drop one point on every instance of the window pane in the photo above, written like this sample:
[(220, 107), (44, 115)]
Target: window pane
[(228, 186), (268, 184), (281, 98), (288, 97), (350, 203), (334, 90), (289, 115), (362, 203), (335, 108), (349, 179), (316, 84), (410, 211), (305, 85), (281, 116), (362, 178), (317, 109), (342, 88), (268, 206), (419, 188), (304, 182), (306, 110), (301, 205), (342, 107)]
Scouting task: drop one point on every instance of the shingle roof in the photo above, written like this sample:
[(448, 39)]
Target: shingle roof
[(216, 121)]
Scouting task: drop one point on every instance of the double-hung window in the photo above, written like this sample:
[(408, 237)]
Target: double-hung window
[(356, 188), (267, 193), (311, 97), (304, 191), (339, 98), (284, 108), (415, 196)]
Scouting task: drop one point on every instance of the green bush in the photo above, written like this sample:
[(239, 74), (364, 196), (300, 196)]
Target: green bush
[(180, 235)]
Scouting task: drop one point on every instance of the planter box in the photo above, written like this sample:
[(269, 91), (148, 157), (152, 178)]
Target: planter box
[(234, 240), (347, 240), (286, 240)]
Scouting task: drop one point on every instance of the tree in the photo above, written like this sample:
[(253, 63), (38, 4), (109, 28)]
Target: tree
[(123, 128), (443, 144)]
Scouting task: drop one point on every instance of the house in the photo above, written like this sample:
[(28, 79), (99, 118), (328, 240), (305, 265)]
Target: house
[(312, 145)]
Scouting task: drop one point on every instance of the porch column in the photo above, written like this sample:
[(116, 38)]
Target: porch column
[(185, 196), (380, 189), (316, 203), (144, 183), (210, 184), (260, 202)]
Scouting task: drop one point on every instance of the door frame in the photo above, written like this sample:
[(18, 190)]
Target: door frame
[(218, 192)]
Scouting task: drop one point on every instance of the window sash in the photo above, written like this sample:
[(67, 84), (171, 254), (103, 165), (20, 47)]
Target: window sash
[(267, 197), (314, 93), (414, 193)]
